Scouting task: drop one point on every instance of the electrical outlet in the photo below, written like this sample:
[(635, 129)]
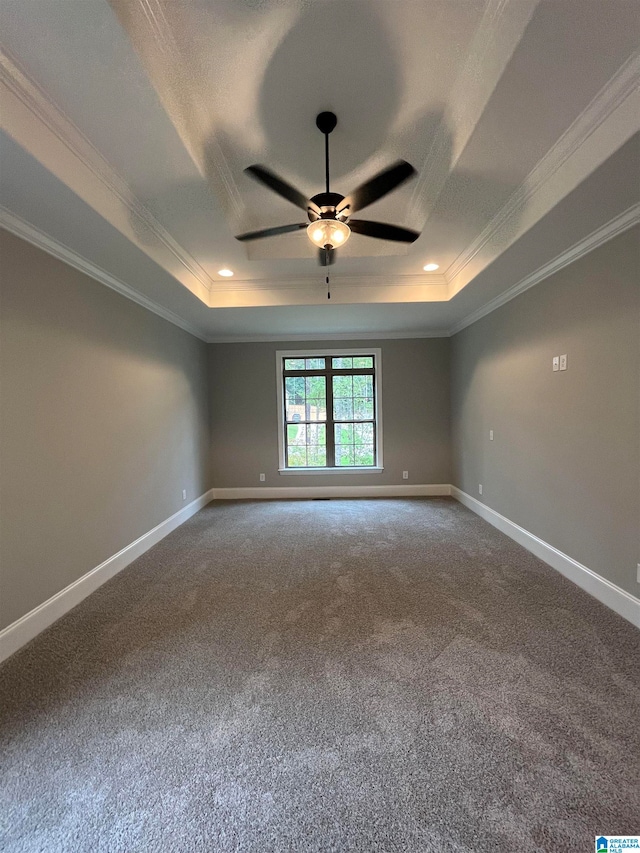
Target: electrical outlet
[(480, 488), (184, 494), (556, 363), (405, 475), (563, 362), (262, 478), (490, 435), (638, 572)]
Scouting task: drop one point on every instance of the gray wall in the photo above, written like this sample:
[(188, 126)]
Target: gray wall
[(107, 412), (565, 460), (415, 409), (104, 413)]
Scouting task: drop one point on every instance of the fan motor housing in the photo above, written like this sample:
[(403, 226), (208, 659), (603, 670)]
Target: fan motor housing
[(328, 204)]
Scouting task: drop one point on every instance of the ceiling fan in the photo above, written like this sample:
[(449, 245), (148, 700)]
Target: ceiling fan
[(329, 213)]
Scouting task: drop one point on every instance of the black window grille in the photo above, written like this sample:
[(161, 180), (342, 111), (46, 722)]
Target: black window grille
[(330, 411)]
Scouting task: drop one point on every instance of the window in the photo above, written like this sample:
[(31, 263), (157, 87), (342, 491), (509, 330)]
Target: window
[(329, 410)]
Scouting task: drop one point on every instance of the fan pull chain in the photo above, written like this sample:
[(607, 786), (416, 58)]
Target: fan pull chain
[(328, 291)]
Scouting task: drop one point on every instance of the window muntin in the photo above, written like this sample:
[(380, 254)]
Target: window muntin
[(328, 410), (304, 363), (349, 362)]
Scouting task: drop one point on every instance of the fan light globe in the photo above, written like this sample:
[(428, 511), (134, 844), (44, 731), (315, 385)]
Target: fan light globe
[(328, 232)]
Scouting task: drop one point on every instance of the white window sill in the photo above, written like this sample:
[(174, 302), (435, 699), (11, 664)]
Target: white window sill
[(341, 470)]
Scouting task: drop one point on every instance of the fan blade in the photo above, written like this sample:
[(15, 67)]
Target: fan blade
[(270, 232), (278, 185), (379, 186), (326, 257), (383, 231)]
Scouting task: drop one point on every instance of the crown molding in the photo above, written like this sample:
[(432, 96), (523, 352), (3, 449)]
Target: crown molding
[(498, 34), (342, 281), (621, 86), (23, 229), (611, 229), (51, 117), (337, 336), (312, 290), (18, 226), (152, 19)]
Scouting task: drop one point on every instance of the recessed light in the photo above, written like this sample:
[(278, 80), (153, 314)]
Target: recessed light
[(226, 273), (431, 267)]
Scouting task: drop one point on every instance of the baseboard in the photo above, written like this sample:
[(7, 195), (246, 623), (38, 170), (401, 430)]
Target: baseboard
[(609, 594), (284, 492), (16, 635)]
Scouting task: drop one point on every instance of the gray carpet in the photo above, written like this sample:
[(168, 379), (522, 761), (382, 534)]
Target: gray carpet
[(371, 675)]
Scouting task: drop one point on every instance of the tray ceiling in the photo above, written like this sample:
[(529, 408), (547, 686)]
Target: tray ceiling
[(127, 126)]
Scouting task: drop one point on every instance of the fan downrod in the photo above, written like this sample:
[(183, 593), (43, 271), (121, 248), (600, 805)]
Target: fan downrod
[(326, 122)]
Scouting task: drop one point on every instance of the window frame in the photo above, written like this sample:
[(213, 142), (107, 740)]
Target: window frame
[(376, 352)]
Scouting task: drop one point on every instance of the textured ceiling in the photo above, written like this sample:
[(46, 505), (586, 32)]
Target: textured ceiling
[(127, 126)]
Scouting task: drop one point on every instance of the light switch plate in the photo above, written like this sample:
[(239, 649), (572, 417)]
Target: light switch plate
[(556, 362)]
